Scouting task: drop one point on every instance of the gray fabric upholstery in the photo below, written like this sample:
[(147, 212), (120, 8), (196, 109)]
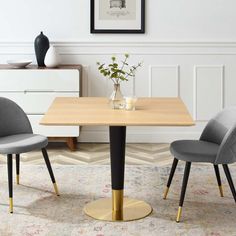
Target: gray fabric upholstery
[(194, 150), (16, 135), (227, 152), (217, 143), (13, 119), (217, 127), (21, 143)]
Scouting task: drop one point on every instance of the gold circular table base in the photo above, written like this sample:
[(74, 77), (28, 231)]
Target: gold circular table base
[(132, 210)]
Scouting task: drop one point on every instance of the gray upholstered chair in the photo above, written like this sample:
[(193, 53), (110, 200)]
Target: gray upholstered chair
[(217, 145), (16, 137)]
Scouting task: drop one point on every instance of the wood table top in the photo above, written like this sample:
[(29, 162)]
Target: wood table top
[(96, 111)]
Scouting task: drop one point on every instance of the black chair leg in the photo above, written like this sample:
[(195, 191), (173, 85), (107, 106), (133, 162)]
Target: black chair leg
[(9, 168), (230, 181), (172, 172), (183, 191), (47, 161), (216, 167), (17, 168)]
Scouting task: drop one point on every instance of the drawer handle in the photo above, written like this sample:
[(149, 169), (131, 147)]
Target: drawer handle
[(38, 91)]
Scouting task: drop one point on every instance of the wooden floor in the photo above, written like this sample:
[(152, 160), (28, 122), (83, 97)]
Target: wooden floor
[(99, 154)]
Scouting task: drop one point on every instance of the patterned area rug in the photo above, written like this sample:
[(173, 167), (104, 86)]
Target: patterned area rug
[(37, 211), (90, 153)]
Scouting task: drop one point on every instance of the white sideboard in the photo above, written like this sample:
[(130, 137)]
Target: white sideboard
[(34, 89)]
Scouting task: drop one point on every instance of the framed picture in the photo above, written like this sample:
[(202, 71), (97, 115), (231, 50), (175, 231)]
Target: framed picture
[(118, 16)]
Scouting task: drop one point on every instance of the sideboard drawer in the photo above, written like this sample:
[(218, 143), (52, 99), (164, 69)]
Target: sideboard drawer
[(52, 131), (39, 80), (36, 102)]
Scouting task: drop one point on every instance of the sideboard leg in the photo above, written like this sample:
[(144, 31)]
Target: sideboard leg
[(72, 143)]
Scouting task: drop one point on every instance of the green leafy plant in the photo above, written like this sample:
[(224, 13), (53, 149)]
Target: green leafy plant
[(118, 73)]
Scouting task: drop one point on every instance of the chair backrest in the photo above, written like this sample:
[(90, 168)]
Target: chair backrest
[(221, 130), (13, 119), (218, 126)]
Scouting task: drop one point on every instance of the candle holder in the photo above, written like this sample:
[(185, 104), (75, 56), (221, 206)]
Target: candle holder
[(130, 103)]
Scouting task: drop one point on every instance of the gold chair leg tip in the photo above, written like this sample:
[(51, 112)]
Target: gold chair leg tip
[(11, 205), (221, 191), (179, 214), (166, 193), (18, 179), (56, 189)]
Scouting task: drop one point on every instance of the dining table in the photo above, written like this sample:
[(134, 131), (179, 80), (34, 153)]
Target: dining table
[(96, 111)]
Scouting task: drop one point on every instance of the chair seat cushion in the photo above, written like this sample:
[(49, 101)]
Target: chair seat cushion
[(21, 143), (194, 150)]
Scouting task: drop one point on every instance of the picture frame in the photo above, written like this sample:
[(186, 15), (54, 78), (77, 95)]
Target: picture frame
[(117, 16)]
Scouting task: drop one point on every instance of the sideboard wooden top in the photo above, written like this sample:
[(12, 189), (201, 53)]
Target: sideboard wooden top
[(96, 111), (35, 67)]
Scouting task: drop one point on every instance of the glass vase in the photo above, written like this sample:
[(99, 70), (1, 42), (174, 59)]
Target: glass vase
[(116, 98)]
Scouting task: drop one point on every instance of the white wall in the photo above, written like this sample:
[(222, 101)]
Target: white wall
[(189, 50), (167, 20)]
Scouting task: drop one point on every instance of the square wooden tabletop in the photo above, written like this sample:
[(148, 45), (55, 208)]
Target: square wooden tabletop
[(95, 111)]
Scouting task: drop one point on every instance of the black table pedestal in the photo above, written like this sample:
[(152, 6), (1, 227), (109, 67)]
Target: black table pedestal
[(117, 208)]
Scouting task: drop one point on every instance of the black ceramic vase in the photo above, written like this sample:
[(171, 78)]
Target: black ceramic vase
[(41, 46)]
